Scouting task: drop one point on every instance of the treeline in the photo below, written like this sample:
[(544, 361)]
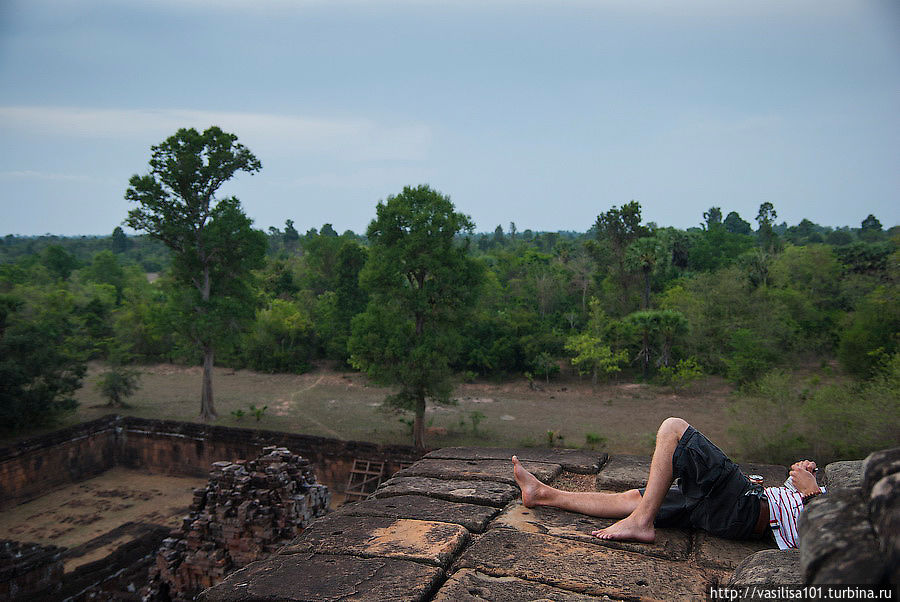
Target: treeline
[(624, 296)]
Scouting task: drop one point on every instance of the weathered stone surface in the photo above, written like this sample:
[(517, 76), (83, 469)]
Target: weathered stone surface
[(573, 460), (471, 516), (884, 511), (769, 567), (671, 544), (469, 585), (324, 577), (726, 554), (624, 472), (480, 470), (837, 544), (485, 493), (433, 543), (773, 475), (583, 568), (879, 465), (843, 475)]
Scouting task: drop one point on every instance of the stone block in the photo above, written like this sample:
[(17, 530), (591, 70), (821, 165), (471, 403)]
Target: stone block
[(884, 512), (572, 460), (468, 585), (837, 544), (481, 470), (843, 475), (433, 543), (769, 567), (584, 568), (324, 577), (773, 475), (485, 493), (879, 465), (670, 544), (623, 472), (725, 554), (471, 516)]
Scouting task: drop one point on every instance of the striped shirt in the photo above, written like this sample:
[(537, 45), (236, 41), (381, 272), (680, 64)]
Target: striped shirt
[(785, 506)]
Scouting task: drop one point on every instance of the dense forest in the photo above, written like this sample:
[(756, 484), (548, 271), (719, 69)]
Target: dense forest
[(738, 301)]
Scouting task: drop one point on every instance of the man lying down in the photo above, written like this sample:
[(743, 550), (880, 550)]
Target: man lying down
[(710, 493)]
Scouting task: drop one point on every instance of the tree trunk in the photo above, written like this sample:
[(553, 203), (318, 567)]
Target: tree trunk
[(207, 409), (646, 353), (646, 289), (419, 425)]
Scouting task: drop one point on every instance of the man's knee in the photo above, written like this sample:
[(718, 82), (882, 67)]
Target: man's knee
[(674, 427)]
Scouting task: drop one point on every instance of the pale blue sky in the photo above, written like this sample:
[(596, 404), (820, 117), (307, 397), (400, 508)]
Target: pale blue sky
[(542, 112)]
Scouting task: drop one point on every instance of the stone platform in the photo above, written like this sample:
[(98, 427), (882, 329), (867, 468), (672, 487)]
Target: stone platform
[(452, 527)]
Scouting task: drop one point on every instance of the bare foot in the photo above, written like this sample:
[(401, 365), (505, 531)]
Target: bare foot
[(529, 484), (627, 529)]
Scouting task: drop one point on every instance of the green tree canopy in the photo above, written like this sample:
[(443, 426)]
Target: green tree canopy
[(214, 248), (423, 284)]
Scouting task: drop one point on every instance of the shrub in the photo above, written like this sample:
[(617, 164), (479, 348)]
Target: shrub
[(118, 383), (680, 375), (750, 357), (777, 422), (593, 441)]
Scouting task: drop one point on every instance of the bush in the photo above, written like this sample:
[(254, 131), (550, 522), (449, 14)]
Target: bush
[(681, 374), (781, 423), (117, 384), (750, 357)]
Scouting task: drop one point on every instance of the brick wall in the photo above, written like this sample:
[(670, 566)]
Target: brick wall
[(31, 468)]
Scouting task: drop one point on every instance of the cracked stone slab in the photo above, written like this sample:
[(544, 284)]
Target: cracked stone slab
[(484, 493), (584, 568), (432, 543), (572, 460), (480, 470), (769, 567), (325, 577), (623, 472), (471, 516), (468, 585), (726, 554), (670, 544)]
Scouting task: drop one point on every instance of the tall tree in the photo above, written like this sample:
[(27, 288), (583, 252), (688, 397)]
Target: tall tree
[(643, 254), (765, 218), (616, 230), (735, 224), (213, 246), (423, 285), (712, 218)]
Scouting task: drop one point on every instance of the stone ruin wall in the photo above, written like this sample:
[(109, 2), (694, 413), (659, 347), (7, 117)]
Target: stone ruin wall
[(34, 467), (247, 511), (29, 570), (31, 468)]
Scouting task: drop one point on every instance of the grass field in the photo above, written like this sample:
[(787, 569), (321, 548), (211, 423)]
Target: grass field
[(346, 406)]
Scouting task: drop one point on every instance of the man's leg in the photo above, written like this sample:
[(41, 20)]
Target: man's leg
[(638, 525), (592, 503)]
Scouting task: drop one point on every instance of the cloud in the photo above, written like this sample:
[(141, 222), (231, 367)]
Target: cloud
[(349, 139)]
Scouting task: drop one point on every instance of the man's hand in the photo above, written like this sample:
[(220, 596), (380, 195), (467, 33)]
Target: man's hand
[(804, 478)]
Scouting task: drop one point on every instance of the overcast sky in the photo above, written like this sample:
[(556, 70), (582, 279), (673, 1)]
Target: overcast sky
[(541, 112)]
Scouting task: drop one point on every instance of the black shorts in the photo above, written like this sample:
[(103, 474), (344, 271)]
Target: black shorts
[(709, 493)]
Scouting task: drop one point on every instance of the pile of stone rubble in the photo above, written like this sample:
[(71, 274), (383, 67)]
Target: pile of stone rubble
[(247, 511)]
